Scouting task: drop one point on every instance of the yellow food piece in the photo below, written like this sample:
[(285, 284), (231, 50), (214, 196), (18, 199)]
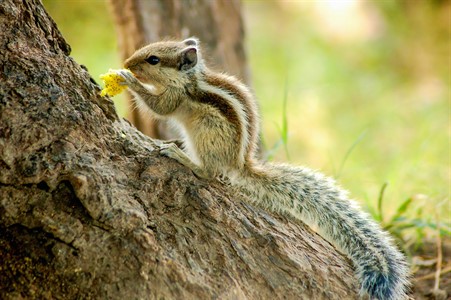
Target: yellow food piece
[(112, 83)]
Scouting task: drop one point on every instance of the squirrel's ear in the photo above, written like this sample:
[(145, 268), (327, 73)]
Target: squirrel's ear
[(192, 41), (188, 59)]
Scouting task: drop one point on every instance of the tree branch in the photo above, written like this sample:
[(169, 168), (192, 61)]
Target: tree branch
[(89, 210)]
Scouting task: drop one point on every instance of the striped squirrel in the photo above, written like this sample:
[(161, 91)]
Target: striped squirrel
[(219, 121)]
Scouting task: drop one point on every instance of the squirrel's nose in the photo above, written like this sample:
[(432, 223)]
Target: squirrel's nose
[(128, 64)]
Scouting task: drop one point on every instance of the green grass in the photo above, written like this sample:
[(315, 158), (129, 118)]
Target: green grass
[(368, 110), (409, 226)]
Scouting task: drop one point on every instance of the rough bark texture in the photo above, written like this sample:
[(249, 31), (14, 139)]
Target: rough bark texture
[(89, 210), (218, 24)]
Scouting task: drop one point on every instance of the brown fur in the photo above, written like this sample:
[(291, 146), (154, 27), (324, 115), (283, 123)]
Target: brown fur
[(224, 108), (220, 121), (229, 85)]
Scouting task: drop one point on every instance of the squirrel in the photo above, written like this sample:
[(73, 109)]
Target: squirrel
[(219, 122)]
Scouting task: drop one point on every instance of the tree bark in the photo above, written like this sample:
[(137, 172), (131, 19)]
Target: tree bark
[(90, 210), (218, 24)]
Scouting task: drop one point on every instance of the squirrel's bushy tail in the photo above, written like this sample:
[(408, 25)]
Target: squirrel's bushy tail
[(381, 269)]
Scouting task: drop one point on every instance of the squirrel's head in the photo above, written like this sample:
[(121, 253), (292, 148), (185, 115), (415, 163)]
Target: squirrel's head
[(166, 63)]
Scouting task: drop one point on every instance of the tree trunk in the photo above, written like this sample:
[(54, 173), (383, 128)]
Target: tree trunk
[(218, 24), (90, 210)]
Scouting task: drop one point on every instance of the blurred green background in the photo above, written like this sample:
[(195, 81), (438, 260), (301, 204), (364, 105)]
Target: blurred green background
[(357, 89)]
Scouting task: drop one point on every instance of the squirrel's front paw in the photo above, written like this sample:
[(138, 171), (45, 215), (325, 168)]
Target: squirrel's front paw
[(171, 150), (129, 78)]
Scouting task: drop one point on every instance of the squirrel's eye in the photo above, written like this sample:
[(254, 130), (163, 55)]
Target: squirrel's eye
[(153, 60)]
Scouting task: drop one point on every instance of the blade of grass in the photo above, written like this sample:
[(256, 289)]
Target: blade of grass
[(284, 130), (269, 154), (380, 217), (401, 209), (356, 142), (439, 254)]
